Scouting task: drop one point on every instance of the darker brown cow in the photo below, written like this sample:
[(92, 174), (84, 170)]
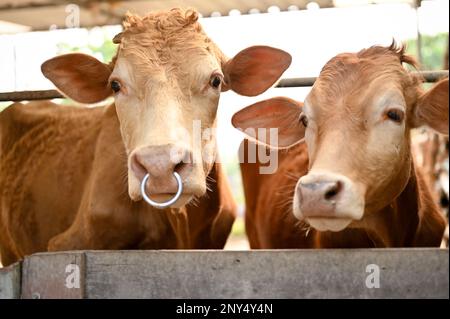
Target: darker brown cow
[(353, 183), (71, 177)]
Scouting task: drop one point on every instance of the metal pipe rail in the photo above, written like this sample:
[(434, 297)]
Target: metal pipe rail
[(428, 76)]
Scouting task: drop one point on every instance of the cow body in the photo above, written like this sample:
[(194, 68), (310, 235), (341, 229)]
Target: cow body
[(72, 178), (348, 177), (63, 182)]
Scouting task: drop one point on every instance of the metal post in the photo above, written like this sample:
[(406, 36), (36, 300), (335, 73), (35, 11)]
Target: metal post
[(418, 4)]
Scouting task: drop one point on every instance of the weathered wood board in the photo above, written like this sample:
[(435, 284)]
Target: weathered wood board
[(402, 273), (339, 273), (10, 282)]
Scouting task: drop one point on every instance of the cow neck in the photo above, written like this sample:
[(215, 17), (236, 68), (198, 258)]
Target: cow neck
[(179, 222), (395, 225)]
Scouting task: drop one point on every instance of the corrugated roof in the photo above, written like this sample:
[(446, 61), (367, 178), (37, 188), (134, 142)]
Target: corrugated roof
[(45, 14)]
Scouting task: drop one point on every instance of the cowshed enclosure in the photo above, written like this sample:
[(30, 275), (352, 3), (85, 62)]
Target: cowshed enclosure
[(32, 31)]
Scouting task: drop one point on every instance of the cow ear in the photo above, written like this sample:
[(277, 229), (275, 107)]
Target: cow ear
[(274, 122), (432, 108), (255, 69), (79, 76)]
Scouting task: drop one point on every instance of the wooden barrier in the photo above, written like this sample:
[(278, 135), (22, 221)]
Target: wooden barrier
[(10, 282), (338, 273)]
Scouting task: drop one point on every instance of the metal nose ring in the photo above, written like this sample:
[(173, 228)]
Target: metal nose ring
[(164, 204)]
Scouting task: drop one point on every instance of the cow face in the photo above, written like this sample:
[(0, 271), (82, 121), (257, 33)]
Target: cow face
[(356, 121), (166, 80)]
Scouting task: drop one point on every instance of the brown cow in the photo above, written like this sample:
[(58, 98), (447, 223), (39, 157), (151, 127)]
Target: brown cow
[(353, 183), (431, 150), (65, 170)]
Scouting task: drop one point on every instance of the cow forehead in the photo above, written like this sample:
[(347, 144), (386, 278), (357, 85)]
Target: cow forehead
[(172, 40), (184, 79), (349, 83), (377, 93), (154, 50), (185, 61)]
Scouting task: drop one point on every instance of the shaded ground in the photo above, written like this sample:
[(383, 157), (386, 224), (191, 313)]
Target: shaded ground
[(237, 243)]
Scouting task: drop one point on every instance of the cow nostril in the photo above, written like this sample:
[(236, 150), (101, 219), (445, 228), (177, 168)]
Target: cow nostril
[(181, 167), (330, 194), (183, 163), (178, 167), (138, 169), (333, 191)]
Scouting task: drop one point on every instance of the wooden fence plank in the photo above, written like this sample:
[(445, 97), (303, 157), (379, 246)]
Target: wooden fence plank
[(339, 273), (53, 275), (403, 273)]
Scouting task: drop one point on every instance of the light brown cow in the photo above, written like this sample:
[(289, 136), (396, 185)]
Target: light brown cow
[(64, 170), (353, 183)]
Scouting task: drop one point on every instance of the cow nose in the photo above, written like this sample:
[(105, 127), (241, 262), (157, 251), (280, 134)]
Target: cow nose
[(160, 162), (319, 198), (323, 191)]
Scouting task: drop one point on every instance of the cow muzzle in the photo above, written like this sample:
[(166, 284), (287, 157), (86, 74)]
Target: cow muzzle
[(164, 176), (327, 201)]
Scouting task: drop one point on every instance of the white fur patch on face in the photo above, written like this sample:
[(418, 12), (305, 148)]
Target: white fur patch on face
[(386, 137), (307, 109), (310, 131), (201, 71), (329, 224), (122, 71)]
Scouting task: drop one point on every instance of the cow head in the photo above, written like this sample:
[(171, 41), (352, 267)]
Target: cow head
[(356, 122), (166, 80)]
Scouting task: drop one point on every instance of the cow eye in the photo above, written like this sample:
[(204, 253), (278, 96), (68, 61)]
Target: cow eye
[(215, 81), (115, 86), (304, 120), (395, 115)]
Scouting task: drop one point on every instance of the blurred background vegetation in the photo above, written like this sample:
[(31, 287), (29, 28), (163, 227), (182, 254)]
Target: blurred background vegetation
[(433, 50), (104, 52)]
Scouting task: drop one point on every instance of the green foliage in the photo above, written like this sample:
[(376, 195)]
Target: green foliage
[(107, 49), (433, 50), (104, 52), (238, 228), (232, 170), (4, 105)]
